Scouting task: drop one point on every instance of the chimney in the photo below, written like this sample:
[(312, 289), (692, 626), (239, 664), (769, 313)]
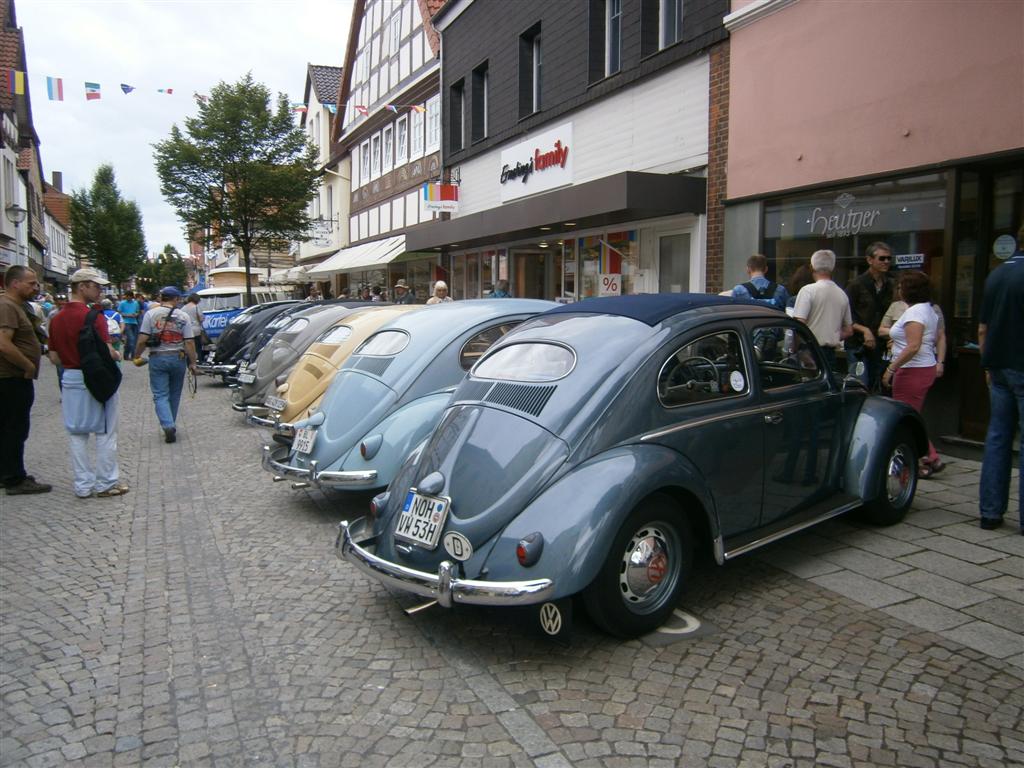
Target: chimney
[(58, 181)]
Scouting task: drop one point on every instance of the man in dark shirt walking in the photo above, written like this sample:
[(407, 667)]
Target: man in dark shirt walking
[(870, 295), (20, 352), (1002, 357)]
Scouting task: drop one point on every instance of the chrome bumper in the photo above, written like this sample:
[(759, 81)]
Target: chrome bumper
[(354, 544), (259, 416), (217, 369), (274, 461)]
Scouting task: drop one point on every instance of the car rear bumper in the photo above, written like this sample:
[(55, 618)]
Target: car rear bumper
[(259, 416), (355, 543), (218, 369), (275, 460)]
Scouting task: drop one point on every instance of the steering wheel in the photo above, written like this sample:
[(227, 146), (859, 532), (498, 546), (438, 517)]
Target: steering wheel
[(696, 371)]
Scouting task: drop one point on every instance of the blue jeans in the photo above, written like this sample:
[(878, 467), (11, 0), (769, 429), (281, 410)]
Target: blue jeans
[(166, 377), (131, 335), (1006, 396)]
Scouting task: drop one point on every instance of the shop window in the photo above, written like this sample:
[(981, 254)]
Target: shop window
[(456, 116), (530, 69), (607, 255), (481, 83)]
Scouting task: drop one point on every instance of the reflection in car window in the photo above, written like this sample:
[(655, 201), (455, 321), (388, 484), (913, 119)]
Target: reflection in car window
[(335, 335), (785, 356), (708, 368), (474, 349), (384, 344), (296, 325), (531, 361), (280, 322)]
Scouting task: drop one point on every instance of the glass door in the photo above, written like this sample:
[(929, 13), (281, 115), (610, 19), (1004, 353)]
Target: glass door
[(674, 263)]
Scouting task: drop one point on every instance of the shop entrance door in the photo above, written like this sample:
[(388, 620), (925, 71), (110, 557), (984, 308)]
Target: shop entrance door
[(674, 262), (529, 273)]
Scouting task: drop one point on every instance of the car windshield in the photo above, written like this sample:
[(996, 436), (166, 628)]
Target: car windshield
[(335, 335), (532, 361), (384, 343), (217, 303)]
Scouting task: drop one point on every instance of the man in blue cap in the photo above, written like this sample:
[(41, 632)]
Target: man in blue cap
[(168, 333)]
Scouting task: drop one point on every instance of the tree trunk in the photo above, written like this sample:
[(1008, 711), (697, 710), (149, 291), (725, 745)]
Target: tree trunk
[(248, 278)]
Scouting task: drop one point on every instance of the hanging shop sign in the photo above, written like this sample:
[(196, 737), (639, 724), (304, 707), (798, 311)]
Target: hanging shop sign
[(321, 233), (908, 260), (441, 197), (541, 163), (609, 284)]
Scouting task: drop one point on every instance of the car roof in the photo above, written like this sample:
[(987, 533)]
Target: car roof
[(652, 308)]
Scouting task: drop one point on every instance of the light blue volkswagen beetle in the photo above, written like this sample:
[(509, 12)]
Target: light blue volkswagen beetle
[(592, 450), (390, 393)]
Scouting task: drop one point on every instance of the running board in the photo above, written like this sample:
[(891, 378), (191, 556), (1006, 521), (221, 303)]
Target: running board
[(721, 555)]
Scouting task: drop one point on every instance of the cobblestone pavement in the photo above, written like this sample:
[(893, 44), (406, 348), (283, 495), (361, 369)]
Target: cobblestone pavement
[(203, 620)]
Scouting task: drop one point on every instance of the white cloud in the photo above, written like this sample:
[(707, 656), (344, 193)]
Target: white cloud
[(181, 44)]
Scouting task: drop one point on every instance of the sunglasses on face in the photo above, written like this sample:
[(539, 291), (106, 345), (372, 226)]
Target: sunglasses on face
[(883, 258)]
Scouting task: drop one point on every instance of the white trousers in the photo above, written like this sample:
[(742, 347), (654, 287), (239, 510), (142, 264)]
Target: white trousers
[(104, 474)]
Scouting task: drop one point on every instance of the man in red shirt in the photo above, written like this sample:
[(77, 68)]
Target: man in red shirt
[(84, 414)]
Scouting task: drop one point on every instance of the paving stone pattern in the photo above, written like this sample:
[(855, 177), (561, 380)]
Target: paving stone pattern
[(203, 620)]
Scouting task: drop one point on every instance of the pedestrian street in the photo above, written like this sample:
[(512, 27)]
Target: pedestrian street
[(203, 619)]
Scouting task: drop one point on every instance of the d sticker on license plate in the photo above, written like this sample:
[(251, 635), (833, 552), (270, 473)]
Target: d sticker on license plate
[(304, 438), (422, 519), (275, 403)]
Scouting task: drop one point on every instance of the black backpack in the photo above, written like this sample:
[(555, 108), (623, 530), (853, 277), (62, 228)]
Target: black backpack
[(102, 375), (767, 296)]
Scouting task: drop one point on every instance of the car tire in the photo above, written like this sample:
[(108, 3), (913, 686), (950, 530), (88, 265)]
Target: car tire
[(631, 600), (897, 481)]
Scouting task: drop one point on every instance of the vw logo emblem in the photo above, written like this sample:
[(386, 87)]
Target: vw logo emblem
[(550, 618)]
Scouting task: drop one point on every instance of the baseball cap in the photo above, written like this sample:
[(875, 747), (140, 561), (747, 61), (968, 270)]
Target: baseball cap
[(401, 284), (170, 291), (88, 275)]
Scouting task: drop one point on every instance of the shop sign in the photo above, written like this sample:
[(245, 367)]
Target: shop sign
[(848, 221), (541, 163), (908, 260), (1004, 247), (441, 197), (321, 233), (609, 284)]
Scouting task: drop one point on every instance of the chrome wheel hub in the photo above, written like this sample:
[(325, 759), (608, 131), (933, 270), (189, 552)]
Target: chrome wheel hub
[(649, 570), (900, 476)]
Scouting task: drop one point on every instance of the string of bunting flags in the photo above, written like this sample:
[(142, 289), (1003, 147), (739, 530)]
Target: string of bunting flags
[(16, 79)]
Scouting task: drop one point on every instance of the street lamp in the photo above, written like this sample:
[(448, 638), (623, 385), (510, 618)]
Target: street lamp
[(16, 214)]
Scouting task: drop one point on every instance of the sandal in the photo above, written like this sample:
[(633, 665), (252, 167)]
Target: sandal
[(937, 466), (117, 490)]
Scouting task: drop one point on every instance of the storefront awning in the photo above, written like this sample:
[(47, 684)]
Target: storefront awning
[(621, 197), (364, 256)]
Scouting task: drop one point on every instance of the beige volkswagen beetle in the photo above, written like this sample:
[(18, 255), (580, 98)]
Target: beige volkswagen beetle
[(309, 379)]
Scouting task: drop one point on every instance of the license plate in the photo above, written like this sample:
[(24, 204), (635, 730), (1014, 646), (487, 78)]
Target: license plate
[(247, 378), (275, 403), (422, 519), (304, 439)]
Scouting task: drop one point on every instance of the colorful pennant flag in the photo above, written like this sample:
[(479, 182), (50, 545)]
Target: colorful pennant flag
[(127, 88), (419, 108), (362, 110), (300, 108), (92, 91), (200, 96), (332, 108), (16, 82), (168, 91), (391, 108), (55, 88)]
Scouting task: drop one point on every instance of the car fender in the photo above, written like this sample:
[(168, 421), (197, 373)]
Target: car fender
[(401, 431), (876, 422), (581, 512)]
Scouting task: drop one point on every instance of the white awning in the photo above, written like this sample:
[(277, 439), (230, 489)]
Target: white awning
[(365, 256)]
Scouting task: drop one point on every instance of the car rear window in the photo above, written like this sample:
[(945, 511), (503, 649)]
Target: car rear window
[(296, 325), (384, 344), (528, 361), (335, 335), (475, 348)]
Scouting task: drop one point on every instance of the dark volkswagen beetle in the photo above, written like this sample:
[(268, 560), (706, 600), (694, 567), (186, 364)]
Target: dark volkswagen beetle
[(594, 448)]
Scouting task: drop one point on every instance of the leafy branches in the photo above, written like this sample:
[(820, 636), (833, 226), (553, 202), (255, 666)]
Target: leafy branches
[(107, 229)]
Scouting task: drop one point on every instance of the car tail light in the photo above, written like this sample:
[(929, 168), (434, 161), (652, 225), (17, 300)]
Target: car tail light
[(378, 504), (529, 549), (368, 448)]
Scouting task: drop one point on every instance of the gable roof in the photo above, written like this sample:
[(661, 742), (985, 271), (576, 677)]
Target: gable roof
[(57, 204), (324, 80)]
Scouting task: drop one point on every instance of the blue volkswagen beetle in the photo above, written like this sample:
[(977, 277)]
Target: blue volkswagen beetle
[(595, 448), (390, 393)]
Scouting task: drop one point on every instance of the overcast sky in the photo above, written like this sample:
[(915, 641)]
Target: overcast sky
[(187, 45)]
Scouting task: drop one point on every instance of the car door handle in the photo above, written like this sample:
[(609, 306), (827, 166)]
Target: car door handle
[(773, 418)]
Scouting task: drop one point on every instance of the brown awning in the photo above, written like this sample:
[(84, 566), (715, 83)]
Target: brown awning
[(627, 196)]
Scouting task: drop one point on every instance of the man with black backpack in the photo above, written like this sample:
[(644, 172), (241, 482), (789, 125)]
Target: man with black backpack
[(168, 334), (90, 380), (760, 288)]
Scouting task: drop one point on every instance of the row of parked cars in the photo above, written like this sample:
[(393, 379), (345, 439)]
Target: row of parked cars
[(531, 455)]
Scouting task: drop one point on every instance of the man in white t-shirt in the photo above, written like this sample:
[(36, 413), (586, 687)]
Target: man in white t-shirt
[(825, 307)]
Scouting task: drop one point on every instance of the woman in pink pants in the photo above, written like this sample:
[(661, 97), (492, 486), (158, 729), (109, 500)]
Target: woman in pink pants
[(912, 370)]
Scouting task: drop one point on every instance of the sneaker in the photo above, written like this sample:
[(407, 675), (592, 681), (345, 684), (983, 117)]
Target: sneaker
[(28, 485), (170, 434), (987, 523)]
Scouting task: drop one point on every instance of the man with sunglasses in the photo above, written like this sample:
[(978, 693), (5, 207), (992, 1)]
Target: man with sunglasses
[(870, 295)]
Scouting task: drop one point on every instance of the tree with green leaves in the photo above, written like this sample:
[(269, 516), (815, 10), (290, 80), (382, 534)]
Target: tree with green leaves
[(241, 172), (106, 229), (167, 269)]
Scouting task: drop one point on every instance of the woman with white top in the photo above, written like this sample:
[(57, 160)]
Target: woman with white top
[(912, 370)]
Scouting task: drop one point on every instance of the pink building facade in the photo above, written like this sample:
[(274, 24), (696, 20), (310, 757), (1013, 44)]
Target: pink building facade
[(854, 121)]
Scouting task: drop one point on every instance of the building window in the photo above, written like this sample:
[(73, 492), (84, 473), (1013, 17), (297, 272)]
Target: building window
[(389, 149), (364, 162), (456, 116), (416, 134), (402, 140), (661, 24), (330, 203), (613, 37), (530, 66), (481, 82), (375, 156), (396, 30), (433, 123), (671, 26)]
